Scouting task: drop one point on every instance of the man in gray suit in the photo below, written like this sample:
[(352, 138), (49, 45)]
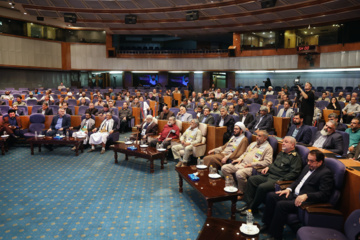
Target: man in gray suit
[(328, 139), (183, 115), (286, 111), (206, 117), (262, 122)]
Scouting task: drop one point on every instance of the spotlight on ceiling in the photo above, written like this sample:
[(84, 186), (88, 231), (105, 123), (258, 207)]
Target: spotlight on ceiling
[(192, 15), (130, 19), (267, 3)]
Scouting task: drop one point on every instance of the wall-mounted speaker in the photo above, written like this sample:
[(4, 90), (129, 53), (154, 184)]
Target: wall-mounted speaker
[(130, 19), (70, 17), (267, 3), (192, 15)]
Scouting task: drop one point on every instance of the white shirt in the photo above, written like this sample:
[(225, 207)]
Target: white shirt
[(303, 180), (320, 141)]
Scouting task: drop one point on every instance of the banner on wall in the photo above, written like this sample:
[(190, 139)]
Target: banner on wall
[(178, 79), (145, 79)]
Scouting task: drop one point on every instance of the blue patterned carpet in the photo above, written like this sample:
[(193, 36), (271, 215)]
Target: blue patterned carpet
[(57, 195)]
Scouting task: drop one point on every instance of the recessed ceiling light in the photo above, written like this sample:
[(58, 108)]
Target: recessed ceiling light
[(270, 35), (270, 31), (263, 32), (305, 32), (25, 13), (311, 33)]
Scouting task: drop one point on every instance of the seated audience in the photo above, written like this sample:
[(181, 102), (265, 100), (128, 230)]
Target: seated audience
[(59, 124), (86, 126), (7, 96), (301, 132), (215, 108), (183, 115), (166, 113), (257, 99), (91, 110), (46, 99), (240, 105), (317, 115), (61, 86), (235, 147), (61, 101), (269, 91), (105, 110), (12, 124), (170, 131), (99, 136), (83, 96), (324, 97), (328, 139), (206, 117), (31, 97), (232, 111), (83, 102), (69, 95), (350, 110), (282, 203), (45, 110), (191, 136), (227, 121), (19, 102), (341, 97), (245, 117), (335, 118), (147, 128), (176, 90), (67, 109), (125, 115), (99, 102), (262, 122), (334, 104), (286, 111), (135, 103), (18, 111), (286, 167), (354, 137), (270, 108), (258, 155)]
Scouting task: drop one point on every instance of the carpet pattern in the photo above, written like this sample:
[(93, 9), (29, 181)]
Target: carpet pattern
[(56, 195)]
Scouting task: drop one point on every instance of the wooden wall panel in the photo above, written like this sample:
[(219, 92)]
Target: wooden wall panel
[(65, 56)]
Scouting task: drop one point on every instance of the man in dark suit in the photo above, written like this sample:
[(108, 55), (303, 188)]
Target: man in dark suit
[(257, 99), (59, 123), (335, 118), (12, 124), (92, 110), (240, 105), (206, 117), (314, 185), (262, 122), (45, 109), (67, 110), (166, 113), (147, 128), (18, 111), (302, 133), (328, 139), (246, 118), (225, 120)]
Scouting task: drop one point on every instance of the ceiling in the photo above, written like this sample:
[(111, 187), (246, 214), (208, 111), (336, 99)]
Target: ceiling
[(168, 16)]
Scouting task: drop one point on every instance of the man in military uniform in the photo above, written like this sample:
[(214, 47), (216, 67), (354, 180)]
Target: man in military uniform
[(231, 150), (287, 166)]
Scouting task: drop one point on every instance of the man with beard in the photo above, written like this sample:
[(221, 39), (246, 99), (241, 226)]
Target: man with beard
[(246, 117), (314, 185), (286, 167), (307, 102), (341, 98), (258, 155), (225, 120), (354, 136), (215, 108), (302, 133), (350, 110), (206, 117), (231, 150), (286, 111), (262, 122), (328, 139), (240, 105)]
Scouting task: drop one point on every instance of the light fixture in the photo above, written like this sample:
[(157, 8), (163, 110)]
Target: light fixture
[(115, 72), (145, 71), (178, 71), (263, 32), (319, 70), (311, 33), (309, 26), (198, 71), (305, 32), (254, 71), (270, 31), (25, 13)]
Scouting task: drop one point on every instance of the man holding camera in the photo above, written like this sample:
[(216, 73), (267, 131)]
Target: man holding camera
[(306, 99)]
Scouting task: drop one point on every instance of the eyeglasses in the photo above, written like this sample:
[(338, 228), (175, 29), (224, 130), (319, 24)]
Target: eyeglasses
[(327, 126)]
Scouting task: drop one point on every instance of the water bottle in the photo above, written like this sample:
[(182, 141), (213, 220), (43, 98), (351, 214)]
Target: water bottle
[(227, 182), (198, 161), (36, 135), (157, 146), (249, 219), (4, 133), (67, 134)]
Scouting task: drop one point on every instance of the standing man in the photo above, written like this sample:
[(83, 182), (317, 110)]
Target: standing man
[(302, 133), (286, 167), (191, 136), (307, 103), (233, 149), (258, 155), (314, 185)]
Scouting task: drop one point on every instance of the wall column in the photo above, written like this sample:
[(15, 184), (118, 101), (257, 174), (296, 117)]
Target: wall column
[(230, 79), (65, 56), (237, 43)]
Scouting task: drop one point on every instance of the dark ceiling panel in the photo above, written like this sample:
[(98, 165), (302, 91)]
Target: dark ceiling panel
[(176, 15), (40, 2), (163, 3), (89, 16), (59, 3), (251, 6), (106, 16), (111, 4), (49, 14), (211, 12), (288, 13), (232, 9), (311, 10), (338, 4), (94, 4), (128, 5), (145, 4), (159, 15), (267, 17), (32, 12), (22, 1), (76, 4)]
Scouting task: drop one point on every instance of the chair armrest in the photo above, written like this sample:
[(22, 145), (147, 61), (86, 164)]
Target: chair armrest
[(198, 144), (175, 140), (326, 211), (283, 182), (281, 185)]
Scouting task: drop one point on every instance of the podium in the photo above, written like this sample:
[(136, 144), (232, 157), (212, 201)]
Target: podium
[(167, 101), (177, 96), (281, 126)]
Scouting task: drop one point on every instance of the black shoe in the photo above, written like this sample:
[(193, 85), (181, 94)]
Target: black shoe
[(264, 228), (242, 209)]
